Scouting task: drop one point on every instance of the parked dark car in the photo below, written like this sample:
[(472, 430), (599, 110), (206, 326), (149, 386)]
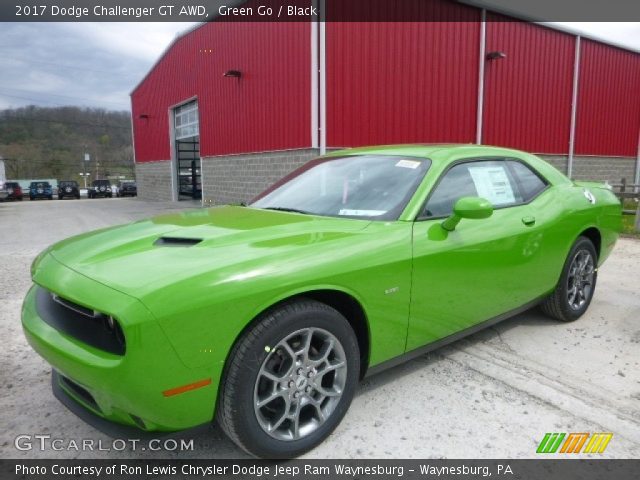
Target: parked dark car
[(14, 191), (68, 188), (40, 190), (100, 188), (127, 189)]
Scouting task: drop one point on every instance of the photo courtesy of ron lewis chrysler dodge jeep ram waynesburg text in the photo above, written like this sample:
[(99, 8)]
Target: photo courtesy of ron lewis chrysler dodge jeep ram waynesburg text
[(264, 317)]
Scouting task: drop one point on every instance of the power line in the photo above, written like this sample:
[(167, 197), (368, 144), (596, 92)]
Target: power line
[(82, 68), (66, 122), (32, 99), (58, 95), (39, 100)]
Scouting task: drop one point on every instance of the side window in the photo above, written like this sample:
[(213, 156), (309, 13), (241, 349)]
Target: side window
[(489, 179), (529, 183)]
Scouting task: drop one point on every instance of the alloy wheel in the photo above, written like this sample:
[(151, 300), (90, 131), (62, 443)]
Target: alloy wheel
[(580, 279), (300, 383)]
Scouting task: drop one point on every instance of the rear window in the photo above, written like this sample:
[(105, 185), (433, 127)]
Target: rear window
[(40, 185), (529, 183), (68, 184), (11, 185)]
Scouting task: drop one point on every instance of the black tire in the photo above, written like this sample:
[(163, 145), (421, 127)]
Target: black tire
[(559, 304), (50, 197), (60, 197), (236, 413)]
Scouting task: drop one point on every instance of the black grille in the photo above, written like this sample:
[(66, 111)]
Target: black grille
[(79, 322), (79, 392)]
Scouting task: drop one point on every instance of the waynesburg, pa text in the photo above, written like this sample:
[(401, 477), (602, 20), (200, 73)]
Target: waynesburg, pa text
[(342, 470)]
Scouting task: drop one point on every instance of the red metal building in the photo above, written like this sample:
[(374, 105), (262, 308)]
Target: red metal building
[(230, 107)]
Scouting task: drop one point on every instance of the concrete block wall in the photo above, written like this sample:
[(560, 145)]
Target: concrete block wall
[(611, 169), (558, 161), (154, 180), (239, 178)]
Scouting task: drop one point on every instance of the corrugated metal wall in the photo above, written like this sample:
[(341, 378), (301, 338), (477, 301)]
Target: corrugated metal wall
[(269, 108), (403, 82), (527, 100), (392, 82), (608, 114)]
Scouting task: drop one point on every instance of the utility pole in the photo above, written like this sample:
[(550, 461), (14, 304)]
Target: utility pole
[(87, 159)]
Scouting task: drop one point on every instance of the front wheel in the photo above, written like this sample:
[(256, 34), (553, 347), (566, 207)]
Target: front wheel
[(289, 380), (574, 291)]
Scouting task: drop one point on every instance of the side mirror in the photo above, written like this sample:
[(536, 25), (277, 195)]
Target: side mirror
[(468, 207)]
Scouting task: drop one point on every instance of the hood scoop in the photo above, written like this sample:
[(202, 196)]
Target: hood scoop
[(177, 242)]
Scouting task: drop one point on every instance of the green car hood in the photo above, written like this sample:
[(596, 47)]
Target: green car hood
[(230, 241)]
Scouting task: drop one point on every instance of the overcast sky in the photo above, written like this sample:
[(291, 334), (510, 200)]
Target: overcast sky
[(98, 64)]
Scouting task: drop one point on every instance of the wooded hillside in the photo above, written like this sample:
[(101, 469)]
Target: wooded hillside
[(38, 142)]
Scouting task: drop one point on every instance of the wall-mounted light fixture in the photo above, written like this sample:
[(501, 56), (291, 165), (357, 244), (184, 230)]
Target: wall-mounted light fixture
[(496, 55), (233, 74)]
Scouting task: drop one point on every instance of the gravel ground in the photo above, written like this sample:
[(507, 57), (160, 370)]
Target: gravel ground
[(491, 395)]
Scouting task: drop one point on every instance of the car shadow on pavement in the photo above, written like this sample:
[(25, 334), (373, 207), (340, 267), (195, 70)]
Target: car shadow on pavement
[(532, 317)]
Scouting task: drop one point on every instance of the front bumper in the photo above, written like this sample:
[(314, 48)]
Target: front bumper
[(126, 389)]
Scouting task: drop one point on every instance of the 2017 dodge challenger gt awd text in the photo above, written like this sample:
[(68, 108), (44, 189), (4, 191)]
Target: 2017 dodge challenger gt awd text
[(265, 317)]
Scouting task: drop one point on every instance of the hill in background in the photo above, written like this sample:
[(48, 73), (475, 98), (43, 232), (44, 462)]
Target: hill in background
[(39, 142)]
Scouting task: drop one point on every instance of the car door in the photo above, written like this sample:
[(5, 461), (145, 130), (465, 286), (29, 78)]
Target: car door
[(483, 268)]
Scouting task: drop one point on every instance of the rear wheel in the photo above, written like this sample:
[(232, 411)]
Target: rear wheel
[(289, 380), (574, 291)]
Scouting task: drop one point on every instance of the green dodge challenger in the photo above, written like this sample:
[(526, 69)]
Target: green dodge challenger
[(266, 316)]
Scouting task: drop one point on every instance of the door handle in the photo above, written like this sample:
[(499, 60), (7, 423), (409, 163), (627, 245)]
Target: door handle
[(529, 220)]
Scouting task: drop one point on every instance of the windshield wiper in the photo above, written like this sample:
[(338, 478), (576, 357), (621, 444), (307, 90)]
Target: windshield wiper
[(287, 209)]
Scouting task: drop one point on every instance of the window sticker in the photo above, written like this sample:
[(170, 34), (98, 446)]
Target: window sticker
[(361, 213), (408, 164), (492, 183)]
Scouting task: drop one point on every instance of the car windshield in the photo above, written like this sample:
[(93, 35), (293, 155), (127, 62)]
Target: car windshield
[(359, 186)]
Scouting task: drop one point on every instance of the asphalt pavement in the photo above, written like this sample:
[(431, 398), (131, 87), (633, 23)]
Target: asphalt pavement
[(492, 395)]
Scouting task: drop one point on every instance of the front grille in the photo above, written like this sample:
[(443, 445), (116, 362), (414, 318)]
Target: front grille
[(80, 322), (79, 392)]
